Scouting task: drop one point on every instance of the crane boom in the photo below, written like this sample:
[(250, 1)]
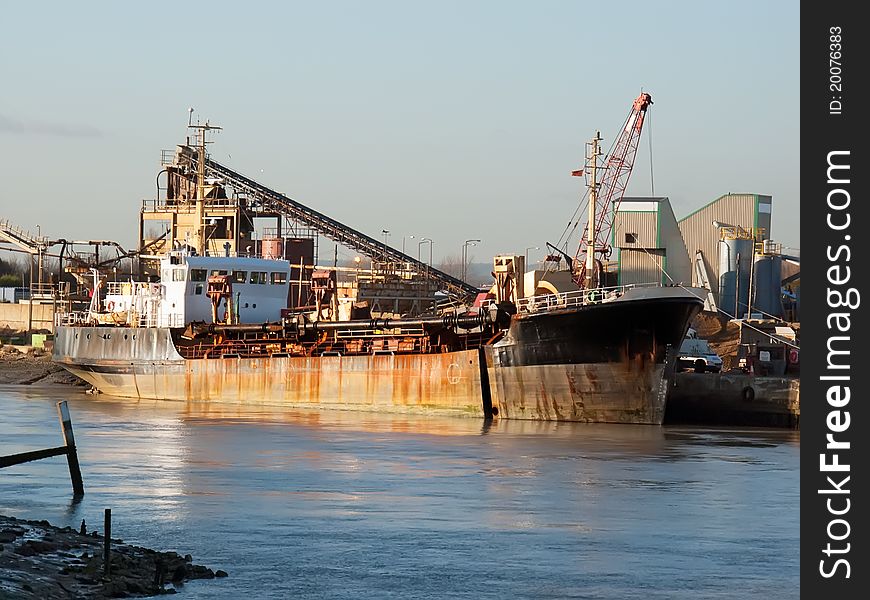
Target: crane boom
[(617, 170)]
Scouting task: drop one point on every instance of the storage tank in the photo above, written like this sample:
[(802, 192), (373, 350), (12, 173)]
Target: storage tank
[(735, 260), (767, 288), (272, 248)]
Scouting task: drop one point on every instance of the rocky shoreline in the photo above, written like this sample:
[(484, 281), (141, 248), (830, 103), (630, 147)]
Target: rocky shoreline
[(44, 562)]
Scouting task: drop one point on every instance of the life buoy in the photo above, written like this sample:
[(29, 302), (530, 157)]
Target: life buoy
[(110, 305), (793, 356)]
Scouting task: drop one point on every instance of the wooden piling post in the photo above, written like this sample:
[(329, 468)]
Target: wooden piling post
[(107, 545), (75, 472)]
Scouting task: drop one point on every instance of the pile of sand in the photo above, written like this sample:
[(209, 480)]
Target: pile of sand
[(722, 334)]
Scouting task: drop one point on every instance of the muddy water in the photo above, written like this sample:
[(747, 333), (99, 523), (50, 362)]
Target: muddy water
[(308, 504)]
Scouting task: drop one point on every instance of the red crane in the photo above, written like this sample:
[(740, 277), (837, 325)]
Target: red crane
[(606, 194)]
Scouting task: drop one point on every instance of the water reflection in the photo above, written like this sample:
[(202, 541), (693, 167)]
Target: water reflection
[(301, 502)]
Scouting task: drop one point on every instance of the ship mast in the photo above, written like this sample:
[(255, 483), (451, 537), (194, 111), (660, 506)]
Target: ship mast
[(592, 164)]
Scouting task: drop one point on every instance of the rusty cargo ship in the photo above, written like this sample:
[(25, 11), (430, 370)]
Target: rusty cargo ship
[(554, 357), (211, 325)]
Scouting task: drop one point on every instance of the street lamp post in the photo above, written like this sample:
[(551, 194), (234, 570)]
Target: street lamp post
[(410, 237), (465, 256), (39, 257), (419, 245), (385, 233), (425, 240)]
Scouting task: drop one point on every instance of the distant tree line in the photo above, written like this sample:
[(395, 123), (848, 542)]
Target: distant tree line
[(11, 271)]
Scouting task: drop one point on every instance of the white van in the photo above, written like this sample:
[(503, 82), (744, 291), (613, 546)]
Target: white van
[(698, 355)]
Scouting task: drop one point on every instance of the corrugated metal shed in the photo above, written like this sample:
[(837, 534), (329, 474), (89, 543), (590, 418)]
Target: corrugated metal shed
[(640, 265), (637, 229), (749, 211), (651, 248)]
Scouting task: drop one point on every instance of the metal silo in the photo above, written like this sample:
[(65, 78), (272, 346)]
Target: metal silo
[(767, 284), (735, 261)]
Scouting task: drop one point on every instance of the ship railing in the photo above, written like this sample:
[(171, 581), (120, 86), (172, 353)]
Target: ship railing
[(134, 288), (79, 317), (574, 299), (154, 320), (185, 205), (380, 333), (47, 290)]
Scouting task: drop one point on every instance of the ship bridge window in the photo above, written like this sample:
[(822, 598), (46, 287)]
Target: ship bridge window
[(197, 289), (178, 275), (258, 277), (240, 276), (197, 274), (278, 278), (216, 272)]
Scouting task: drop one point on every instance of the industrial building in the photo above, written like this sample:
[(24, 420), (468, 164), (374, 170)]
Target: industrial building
[(724, 246), (749, 213), (650, 243)]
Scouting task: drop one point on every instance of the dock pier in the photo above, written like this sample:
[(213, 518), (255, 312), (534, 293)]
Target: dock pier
[(734, 399)]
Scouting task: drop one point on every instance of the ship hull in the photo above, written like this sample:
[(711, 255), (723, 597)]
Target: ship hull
[(589, 393), (417, 383), (602, 363), (599, 363)]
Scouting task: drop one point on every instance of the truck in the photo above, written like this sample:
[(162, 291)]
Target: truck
[(697, 354)]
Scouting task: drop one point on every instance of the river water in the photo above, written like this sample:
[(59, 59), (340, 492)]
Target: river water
[(331, 504)]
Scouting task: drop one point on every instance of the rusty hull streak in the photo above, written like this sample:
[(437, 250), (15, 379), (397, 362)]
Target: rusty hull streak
[(599, 392), (433, 383)]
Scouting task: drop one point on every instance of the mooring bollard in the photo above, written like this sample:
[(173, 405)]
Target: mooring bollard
[(107, 537), (75, 472)]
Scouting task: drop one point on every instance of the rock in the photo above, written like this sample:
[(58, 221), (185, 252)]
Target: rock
[(188, 558), (31, 547), (179, 574), (221, 573), (9, 535), (50, 572)]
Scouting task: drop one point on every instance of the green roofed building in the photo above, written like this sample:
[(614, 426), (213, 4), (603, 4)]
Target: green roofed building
[(650, 245)]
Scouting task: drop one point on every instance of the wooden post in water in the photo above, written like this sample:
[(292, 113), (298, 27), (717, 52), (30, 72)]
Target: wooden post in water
[(75, 472), (69, 448), (107, 545)]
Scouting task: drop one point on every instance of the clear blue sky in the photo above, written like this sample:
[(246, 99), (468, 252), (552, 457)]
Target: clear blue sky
[(452, 120)]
